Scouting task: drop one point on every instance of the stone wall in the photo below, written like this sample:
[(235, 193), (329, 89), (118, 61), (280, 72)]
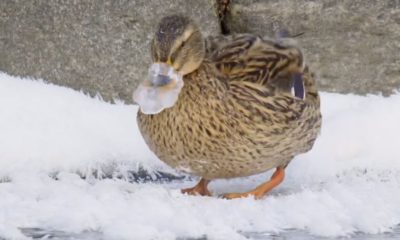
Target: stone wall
[(102, 46), (95, 45), (353, 45)]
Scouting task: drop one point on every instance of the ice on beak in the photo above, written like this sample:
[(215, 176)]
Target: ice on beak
[(160, 90), (161, 80)]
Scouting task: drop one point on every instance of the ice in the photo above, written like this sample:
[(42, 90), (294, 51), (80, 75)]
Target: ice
[(160, 91), (349, 183)]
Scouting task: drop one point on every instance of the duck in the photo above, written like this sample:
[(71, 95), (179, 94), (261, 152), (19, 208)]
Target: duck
[(246, 105)]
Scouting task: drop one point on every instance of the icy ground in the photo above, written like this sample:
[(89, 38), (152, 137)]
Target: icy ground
[(50, 136)]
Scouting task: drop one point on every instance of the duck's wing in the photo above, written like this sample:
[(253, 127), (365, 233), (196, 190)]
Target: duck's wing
[(265, 62)]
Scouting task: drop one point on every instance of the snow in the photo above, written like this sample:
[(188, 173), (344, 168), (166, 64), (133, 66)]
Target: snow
[(49, 128), (348, 183)]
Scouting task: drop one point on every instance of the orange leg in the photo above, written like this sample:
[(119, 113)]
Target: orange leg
[(200, 189), (262, 189)]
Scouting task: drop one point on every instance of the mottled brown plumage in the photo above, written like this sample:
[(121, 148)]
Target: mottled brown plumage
[(236, 115)]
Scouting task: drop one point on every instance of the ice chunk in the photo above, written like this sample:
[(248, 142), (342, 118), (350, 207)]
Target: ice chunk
[(160, 90)]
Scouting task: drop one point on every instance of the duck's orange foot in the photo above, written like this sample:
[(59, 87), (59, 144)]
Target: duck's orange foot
[(253, 193), (200, 189), (261, 190)]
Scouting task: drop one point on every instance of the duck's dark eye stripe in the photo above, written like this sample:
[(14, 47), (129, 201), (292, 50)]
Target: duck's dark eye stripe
[(175, 53), (173, 56)]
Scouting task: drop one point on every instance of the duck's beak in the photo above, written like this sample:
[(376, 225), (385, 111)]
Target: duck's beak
[(160, 90), (162, 74)]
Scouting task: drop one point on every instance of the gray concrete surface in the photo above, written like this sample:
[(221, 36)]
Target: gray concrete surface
[(102, 46), (95, 45), (353, 45)]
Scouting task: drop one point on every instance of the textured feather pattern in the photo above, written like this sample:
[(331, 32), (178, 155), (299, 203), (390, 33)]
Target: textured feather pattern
[(236, 115)]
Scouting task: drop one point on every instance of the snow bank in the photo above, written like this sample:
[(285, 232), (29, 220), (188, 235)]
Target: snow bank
[(348, 183), (48, 128)]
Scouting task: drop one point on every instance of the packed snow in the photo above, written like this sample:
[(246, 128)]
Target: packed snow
[(51, 136)]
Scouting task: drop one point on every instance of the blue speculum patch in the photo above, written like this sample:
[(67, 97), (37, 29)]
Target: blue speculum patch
[(298, 86)]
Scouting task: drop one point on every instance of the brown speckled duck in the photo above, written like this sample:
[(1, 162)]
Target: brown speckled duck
[(247, 105)]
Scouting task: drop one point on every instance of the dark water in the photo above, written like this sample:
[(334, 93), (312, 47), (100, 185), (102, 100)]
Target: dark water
[(38, 233)]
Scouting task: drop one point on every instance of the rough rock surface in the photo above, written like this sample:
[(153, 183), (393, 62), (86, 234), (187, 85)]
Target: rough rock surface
[(98, 46), (354, 45), (102, 46)]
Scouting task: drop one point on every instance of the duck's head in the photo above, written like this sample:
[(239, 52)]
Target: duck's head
[(177, 49), (178, 44)]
